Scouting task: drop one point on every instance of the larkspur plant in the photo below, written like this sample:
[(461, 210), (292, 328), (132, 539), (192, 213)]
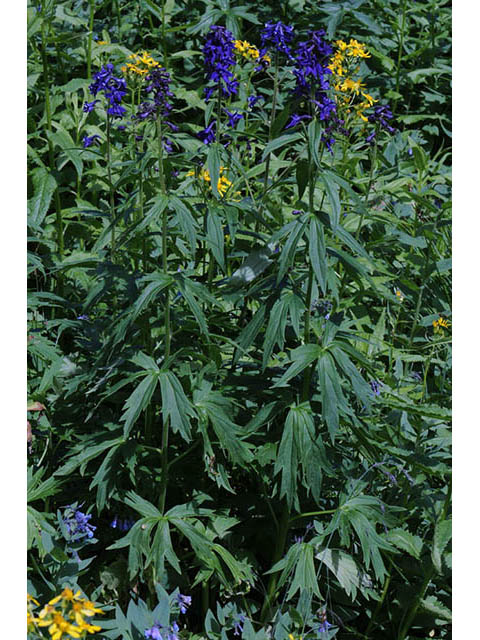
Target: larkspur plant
[(239, 320)]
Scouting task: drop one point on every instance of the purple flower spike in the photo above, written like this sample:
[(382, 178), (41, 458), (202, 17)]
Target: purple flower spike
[(276, 35), (207, 135), (87, 141), (296, 119), (154, 632), (183, 602)]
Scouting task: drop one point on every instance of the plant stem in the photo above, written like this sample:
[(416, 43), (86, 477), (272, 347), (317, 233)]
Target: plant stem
[(112, 197), (379, 603), (370, 181), (51, 159), (90, 37), (312, 513), (400, 53), (272, 118), (278, 552), (164, 238)]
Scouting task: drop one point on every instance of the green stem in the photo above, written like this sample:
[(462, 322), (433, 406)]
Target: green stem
[(164, 481), (411, 614), (164, 238), (90, 37), (278, 553), (51, 159), (272, 118), (164, 43), (400, 53), (312, 513), (380, 602), (112, 197), (370, 182)]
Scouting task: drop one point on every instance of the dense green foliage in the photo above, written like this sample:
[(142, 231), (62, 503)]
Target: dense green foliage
[(256, 373)]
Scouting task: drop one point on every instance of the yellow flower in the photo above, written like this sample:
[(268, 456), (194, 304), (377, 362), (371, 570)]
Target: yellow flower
[(440, 324), (399, 295), (56, 623), (102, 42), (32, 599), (90, 628), (140, 65), (223, 183), (247, 50), (83, 608), (357, 49)]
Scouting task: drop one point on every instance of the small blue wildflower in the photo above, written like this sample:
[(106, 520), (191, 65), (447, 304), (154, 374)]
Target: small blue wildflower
[(296, 212), (173, 633), (77, 524), (297, 539), (416, 376), (278, 36), (380, 116), (410, 151), (207, 135), (183, 602), (371, 137), (83, 317), (375, 385), (87, 141), (112, 87), (296, 119), (233, 118), (322, 307), (238, 624), (159, 84), (121, 127), (252, 100), (324, 626), (114, 523), (89, 106), (154, 632)]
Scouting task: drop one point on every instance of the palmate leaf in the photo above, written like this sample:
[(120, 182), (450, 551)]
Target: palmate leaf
[(441, 538), (301, 357), (406, 541), (138, 401), (175, 404), (305, 576), (345, 569)]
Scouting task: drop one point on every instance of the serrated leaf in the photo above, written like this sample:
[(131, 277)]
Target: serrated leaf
[(406, 541), (441, 538)]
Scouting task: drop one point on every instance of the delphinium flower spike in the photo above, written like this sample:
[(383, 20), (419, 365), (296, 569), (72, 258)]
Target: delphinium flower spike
[(113, 88), (219, 59), (276, 36)]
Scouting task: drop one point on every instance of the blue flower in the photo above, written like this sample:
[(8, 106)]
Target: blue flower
[(252, 100), (113, 88), (87, 141), (83, 317), (233, 118), (296, 119), (238, 624), (77, 524), (278, 36), (207, 135), (324, 626), (159, 84), (89, 106), (154, 632), (173, 633), (375, 385), (114, 523), (380, 116), (219, 58), (183, 602)]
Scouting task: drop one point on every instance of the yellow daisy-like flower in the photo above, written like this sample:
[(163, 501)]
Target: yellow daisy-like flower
[(357, 49), (399, 295), (140, 65), (57, 625), (102, 42), (32, 599), (223, 184), (90, 628), (440, 324), (84, 608), (249, 51)]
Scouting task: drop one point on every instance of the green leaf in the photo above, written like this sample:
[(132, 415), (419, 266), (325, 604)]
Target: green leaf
[(64, 140), (214, 161), (142, 506), (149, 294), (249, 333), (44, 185), (406, 541), (345, 569), (138, 401), (286, 462), (317, 253), (332, 190), (275, 332), (287, 256), (175, 404), (327, 381), (257, 261), (305, 576), (441, 538), (301, 357), (314, 132), (302, 173), (215, 237), (280, 142)]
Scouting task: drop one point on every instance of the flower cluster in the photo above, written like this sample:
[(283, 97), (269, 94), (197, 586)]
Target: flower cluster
[(278, 36), (183, 602), (64, 615), (247, 50), (344, 65), (219, 58), (158, 83), (141, 64), (440, 324), (380, 117), (77, 524), (223, 184), (159, 632), (311, 74), (112, 87)]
